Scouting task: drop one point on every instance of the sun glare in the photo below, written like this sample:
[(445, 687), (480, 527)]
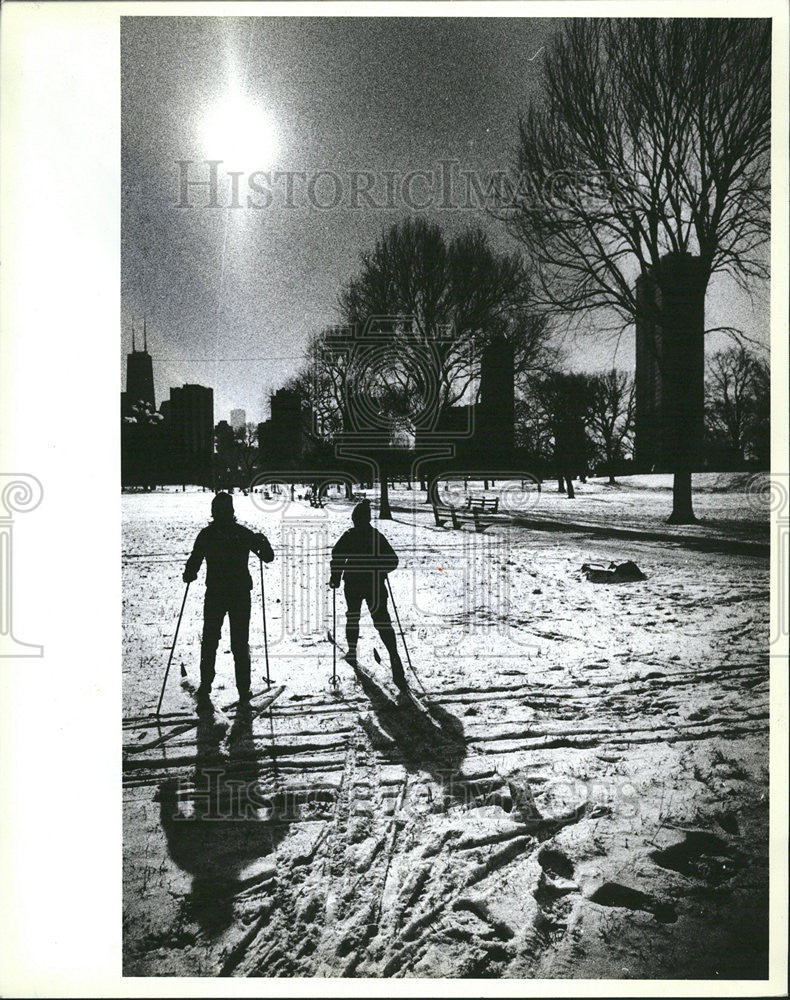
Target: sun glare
[(240, 133)]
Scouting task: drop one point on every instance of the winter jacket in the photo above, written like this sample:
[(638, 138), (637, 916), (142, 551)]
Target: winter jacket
[(226, 545), (362, 556)]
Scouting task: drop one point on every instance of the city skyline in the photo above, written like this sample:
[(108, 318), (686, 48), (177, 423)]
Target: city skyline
[(231, 294)]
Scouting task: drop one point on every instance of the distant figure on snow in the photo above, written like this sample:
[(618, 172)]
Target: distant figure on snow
[(225, 545), (362, 558)]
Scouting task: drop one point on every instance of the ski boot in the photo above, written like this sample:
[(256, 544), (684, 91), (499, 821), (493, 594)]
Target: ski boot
[(397, 673)]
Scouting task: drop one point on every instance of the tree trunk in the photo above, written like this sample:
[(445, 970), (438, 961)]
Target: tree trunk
[(682, 509), (571, 493), (560, 484), (385, 514), (681, 323)]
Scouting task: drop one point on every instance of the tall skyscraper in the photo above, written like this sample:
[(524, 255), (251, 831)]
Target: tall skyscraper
[(238, 419), (670, 366), (290, 420), (495, 416), (191, 426), (139, 375)]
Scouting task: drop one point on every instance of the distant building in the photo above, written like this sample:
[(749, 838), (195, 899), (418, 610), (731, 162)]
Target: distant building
[(225, 458), (495, 423), (238, 419), (139, 376), (264, 437), (285, 432), (670, 365), (191, 431), (223, 436), (143, 436)]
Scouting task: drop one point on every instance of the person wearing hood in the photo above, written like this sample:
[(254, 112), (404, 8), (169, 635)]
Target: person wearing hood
[(225, 545), (362, 558)]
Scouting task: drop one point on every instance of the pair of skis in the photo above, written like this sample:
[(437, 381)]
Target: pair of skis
[(405, 694)]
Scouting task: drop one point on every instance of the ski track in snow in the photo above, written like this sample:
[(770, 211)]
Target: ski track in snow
[(593, 802)]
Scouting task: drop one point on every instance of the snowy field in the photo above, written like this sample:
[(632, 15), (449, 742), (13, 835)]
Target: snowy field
[(589, 798)]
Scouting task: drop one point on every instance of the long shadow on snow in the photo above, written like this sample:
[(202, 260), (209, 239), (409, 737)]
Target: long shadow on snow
[(440, 749), (226, 830)]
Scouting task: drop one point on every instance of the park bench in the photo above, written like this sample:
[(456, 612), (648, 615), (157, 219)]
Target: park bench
[(483, 504), (359, 497), (460, 515), (315, 500)]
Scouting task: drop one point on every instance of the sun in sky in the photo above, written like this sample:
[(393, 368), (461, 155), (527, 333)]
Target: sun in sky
[(240, 132)]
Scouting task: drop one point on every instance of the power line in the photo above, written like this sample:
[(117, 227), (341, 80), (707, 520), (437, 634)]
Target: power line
[(282, 357)]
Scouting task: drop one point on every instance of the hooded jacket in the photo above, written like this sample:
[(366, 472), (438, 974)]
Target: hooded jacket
[(226, 545), (362, 556)]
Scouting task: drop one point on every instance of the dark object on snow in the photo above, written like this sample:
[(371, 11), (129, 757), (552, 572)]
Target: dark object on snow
[(627, 572)]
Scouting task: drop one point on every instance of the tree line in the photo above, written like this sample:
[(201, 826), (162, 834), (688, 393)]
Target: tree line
[(644, 154), (652, 139)]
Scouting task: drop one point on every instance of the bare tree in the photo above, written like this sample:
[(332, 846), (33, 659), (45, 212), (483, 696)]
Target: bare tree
[(611, 415), (759, 446), (246, 447), (650, 138), (560, 405), (323, 381), (734, 392), (453, 296), (436, 304)]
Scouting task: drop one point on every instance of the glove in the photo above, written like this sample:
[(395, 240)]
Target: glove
[(334, 584), (188, 577)]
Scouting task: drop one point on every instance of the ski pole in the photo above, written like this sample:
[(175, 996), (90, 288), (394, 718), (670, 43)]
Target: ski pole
[(265, 636), (334, 633), (403, 638), (172, 650), (400, 628)]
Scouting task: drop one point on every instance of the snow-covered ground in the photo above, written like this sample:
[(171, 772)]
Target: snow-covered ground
[(590, 801)]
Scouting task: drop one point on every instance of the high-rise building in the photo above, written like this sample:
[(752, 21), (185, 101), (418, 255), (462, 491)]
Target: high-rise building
[(191, 426), (238, 419), (495, 414), (287, 426), (284, 438), (670, 365), (139, 376)]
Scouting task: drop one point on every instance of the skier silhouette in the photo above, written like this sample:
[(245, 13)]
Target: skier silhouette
[(362, 558), (225, 545)]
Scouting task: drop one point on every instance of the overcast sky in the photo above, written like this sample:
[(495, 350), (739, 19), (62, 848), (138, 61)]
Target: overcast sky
[(232, 293)]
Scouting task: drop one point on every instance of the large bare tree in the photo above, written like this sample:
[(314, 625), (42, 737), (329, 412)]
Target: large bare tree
[(560, 404), (323, 382), (435, 304), (649, 138), (735, 396), (611, 415), (453, 296)]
